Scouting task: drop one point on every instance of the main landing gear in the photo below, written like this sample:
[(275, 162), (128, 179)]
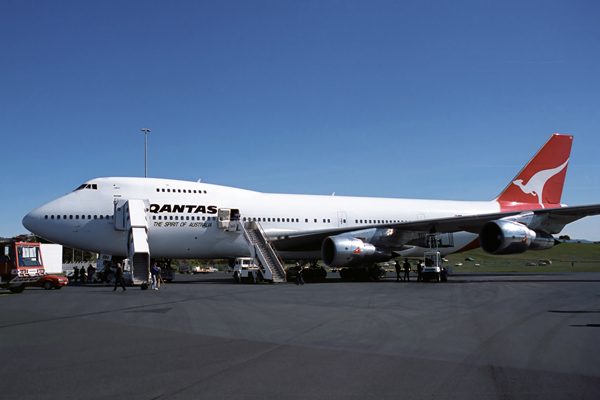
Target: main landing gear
[(363, 273)]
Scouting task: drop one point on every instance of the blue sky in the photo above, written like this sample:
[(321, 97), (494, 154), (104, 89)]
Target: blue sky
[(420, 99)]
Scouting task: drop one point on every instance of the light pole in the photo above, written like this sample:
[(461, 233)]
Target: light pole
[(146, 150)]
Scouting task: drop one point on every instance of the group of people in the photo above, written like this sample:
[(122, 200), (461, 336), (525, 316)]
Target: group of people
[(83, 276), (406, 268), (87, 276)]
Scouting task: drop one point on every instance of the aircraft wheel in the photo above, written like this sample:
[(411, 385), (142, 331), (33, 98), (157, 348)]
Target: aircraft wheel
[(377, 273), (48, 285), (345, 274)]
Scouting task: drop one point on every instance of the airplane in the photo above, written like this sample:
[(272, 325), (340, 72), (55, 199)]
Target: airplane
[(174, 219)]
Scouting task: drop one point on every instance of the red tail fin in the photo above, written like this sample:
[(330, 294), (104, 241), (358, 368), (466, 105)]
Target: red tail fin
[(542, 179)]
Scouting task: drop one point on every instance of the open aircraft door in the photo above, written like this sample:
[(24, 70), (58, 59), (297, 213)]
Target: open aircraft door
[(228, 219)]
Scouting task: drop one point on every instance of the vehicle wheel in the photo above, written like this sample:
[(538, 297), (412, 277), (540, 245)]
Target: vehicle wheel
[(48, 285), (109, 277), (17, 289)]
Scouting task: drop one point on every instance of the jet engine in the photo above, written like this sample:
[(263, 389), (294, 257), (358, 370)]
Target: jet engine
[(345, 251), (509, 237)]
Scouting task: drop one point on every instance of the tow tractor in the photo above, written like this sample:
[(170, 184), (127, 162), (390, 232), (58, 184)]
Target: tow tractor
[(21, 266)]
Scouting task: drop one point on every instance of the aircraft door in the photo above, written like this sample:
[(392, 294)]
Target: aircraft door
[(342, 219)]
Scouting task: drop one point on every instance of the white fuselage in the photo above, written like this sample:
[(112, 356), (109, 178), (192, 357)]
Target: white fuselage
[(182, 218)]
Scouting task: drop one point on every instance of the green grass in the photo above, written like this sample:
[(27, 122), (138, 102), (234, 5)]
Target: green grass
[(566, 257)]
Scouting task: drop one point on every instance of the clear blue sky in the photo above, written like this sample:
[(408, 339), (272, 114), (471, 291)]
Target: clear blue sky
[(421, 99)]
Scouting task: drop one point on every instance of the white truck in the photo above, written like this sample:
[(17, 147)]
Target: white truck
[(246, 270)]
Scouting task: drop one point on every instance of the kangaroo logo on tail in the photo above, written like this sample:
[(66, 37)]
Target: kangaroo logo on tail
[(536, 184), (540, 182)]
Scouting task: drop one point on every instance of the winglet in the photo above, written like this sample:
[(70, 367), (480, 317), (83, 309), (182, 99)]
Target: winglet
[(542, 179)]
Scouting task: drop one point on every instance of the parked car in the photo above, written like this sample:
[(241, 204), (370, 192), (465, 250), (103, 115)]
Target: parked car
[(49, 281), (458, 264)]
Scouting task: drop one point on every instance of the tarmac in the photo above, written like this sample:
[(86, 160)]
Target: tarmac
[(480, 336)]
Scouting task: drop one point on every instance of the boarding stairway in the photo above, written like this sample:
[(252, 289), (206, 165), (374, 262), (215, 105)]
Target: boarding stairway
[(261, 249), (131, 216)]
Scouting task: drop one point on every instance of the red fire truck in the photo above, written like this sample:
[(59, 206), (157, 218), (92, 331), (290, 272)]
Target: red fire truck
[(21, 266)]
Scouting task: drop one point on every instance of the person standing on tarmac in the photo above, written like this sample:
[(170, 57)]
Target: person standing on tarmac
[(299, 280), (406, 267), (91, 271), (398, 270), (119, 278), (155, 271), (419, 270)]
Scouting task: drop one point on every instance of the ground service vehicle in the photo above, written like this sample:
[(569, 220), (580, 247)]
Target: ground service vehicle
[(21, 266), (245, 270), (433, 266)]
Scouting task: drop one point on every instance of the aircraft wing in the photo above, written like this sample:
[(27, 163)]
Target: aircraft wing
[(560, 216)]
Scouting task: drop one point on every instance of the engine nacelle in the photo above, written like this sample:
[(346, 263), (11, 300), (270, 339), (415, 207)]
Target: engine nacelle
[(345, 251), (509, 237)]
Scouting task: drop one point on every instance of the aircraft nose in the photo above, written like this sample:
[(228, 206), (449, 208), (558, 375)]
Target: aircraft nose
[(30, 221)]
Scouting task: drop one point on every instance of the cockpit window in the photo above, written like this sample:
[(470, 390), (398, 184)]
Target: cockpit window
[(93, 186)]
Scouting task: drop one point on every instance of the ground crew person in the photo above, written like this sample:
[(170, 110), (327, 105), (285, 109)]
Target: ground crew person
[(398, 269), (406, 267), (119, 278)]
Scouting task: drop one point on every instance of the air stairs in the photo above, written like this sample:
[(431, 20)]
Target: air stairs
[(261, 249), (131, 216)]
